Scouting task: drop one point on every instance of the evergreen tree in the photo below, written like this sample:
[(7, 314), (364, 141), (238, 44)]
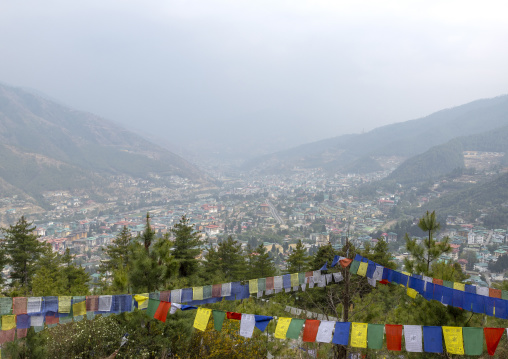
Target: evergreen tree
[(23, 252), (227, 260), (261, 265), (297, 260), (422, 255), (117, 264), (185, 247), (380, 254)]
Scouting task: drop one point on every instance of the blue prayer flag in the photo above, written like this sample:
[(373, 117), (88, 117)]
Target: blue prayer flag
[(286, 280), (500, 308), (341, 335), (489, 306), (416, 284), (22, 321), (262, 321), (371, 268), (438, 292), (322, 268), (447, 296), (335, 261), (50, 304), (470, 288), (458, 298), (432, 339), (468, 301), (186, 295), (358, 258), (479, 304), (429, 291)]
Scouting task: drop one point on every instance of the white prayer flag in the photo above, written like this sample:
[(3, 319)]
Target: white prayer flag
[(176, 296), (325, 331), (295, 288), (482, 291), (426, 280), (371, 281), (37, 320), (329, 278), (260, 294), (269, 291), (338, 277), (226, 289), (322, 281), (378, 273), (277, 282), (105, 303), (247, 324), (287, 290), (174, 308), (33, 305), (303, 287), (413, 338), (311, 282)]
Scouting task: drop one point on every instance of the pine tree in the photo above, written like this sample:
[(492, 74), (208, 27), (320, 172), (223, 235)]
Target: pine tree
[(422, 255), (117, 264), (227, 260), (23, 251), (261, 265), (185, 247), (298, 259)]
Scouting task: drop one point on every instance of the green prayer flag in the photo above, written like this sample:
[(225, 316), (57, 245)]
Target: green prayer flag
[(5, 305), (78, 298), (261, 284), (207, 291), (354, 267), (37, 329), (218, 319), (65, 320), (301, 278), (155, 295), (448, 284), (473, 340), (295, 327), (504, 294), (375, 336), (153, 304), (90, 315), (78, 318)]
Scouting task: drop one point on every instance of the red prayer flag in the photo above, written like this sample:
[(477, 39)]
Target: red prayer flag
[(165, 296), (393, 337), (269, 283), (345, 262), (492, 337), (437, 281), (52, 319), (7, 335), (21, 333), (384, 281), (92, 303), (495, 293), (234, 315), (216, 290), (311, 329), (19, 305), (162, 311)]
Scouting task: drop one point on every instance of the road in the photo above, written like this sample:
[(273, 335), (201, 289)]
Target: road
[(275, 214)]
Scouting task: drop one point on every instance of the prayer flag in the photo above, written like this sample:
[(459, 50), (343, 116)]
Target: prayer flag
[(447, 298), (378, 273), (500, 308), (294, 329), (286, 280), (218, 319), (310, 330), (22, 321), (354, 267), (294, 280), (375, 336), (19, 305), (165, 296), (432, 339), (344, 262), (187, 295), (470, 288), (253, 286), (262, 321), (337, 277), (269, 283), (393, 337), (64, 304), (341, 335), (359, 335), (36, 320), (324, 266), (453, 340), (174, 307), (325, 331), (492, 337), (459, 286), (8, 322), (335, 261), (437, 281), (7, 336), (34, 305), (234, 315), (413, 338), (504, 294), (92, 303), (371, 269), (197, 293), (482, 291), (153, 304), (282, 328), (495, 293), (207, 292), (176, 296), (5, 305), (105, 302), (247, 324), (473, 340), (216, 290), (429, 291), (412, 293), (142, 300), (261, 284), (362, 269), (479, 303), (79, 308), (162, 311), (20, 333), (277, 282), (202, 317), (458, 298)]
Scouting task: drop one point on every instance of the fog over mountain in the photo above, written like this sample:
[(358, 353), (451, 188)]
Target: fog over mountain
[(237, 80)]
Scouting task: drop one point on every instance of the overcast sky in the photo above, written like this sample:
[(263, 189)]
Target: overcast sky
[(256, 74)]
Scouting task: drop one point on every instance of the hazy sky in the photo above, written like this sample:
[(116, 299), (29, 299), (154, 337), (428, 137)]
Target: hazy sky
[(256, 74)]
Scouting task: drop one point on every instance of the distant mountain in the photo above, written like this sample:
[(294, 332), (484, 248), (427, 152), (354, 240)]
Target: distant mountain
[(444, 158), (405, 139), (47, 146)]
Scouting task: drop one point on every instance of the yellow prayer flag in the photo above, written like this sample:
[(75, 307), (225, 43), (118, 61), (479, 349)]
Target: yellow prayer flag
[(253, 286), (142, 300), (64, 304), (459, 286), (359, 335), (453, 340), (294, 280), (197, 293), (202, 317), (362, 269), (79, 308), (282, 328), (412, 293), (8, 322)]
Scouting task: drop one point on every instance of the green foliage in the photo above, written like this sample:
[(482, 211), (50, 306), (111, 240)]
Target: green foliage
[(117, 264), (500, 265), (227, 261), (23, 251), (297, 260), (185, 247), (422, 255), (261, 265)]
